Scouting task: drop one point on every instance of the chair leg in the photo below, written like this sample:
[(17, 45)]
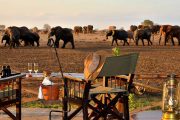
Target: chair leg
[(53, 111), (85, 112), (126, 108)]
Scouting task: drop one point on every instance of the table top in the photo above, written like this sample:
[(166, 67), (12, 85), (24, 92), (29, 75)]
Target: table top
[(14, 76), (148, 115), (55, 74)]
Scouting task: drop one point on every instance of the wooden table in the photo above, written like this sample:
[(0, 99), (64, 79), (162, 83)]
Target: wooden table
[(11, 94)]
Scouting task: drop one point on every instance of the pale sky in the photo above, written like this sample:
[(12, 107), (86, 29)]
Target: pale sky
[(99, 13)]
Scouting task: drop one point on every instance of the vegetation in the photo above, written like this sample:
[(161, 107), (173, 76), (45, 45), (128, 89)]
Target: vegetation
[(147, 23), (2, 27), (41, 104), (47, 27), (116, 51), (136, 102)]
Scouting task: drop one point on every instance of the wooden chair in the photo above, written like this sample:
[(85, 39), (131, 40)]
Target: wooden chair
[(84, 93), (120, 70)]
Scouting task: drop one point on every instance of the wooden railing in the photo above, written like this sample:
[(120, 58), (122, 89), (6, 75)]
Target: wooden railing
[(10, 94)]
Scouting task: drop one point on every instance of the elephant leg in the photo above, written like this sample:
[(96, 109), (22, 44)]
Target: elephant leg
[(5, 43), (72, 43), (178, 38), (64, 44), (116, 42), (32, 43), (56, 44), (137, 42), (153, 37), (25, 43), (150, 42), (125, 41), (160, 40), (37, 43), (13, 44), (112, 42), (142, 41), (166, 39), (16, 43), (49, 42), (172, 40)]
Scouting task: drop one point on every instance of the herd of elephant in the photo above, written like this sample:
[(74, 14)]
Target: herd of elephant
[(15, 35), (84, 29), (144, 33)]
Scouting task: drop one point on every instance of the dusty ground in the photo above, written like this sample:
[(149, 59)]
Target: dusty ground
[(152, 59), (156, 59)]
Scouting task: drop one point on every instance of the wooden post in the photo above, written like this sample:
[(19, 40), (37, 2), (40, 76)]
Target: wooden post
[(18, 99), (85, 100), (65, 102)]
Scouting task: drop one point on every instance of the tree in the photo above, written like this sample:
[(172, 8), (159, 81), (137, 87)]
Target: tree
[(47, 27), (35, 29), (2, 27), (147, 23)]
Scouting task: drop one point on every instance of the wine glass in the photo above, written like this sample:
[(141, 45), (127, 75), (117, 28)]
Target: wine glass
[(36, 67), (30, 67)]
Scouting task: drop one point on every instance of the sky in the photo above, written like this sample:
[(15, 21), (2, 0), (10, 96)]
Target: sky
[(99, 13)]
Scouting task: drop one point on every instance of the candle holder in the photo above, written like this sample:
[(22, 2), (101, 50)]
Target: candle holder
[(171, 96)]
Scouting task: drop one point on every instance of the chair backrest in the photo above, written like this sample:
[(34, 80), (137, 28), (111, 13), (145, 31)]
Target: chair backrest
[(119, 65)]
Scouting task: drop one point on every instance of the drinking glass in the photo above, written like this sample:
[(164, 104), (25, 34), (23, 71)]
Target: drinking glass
[(30, 67), (36, 67)]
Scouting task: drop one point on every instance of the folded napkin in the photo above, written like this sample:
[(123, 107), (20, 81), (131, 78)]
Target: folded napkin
[(46, 81)]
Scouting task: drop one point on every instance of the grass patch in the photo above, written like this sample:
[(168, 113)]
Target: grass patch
[(135, 102), (142, 101), (42, 104)]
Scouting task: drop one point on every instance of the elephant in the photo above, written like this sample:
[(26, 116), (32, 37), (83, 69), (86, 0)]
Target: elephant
[(143, 34), (118, 34), (7, 38), (154, 30), (62, 33), (90, 29), (29, 38), (14, 35), (77, 29), (133, 28), (85, 29), (130, 35), (175, 32), (170, 31), (23, 29), (112, 28)]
